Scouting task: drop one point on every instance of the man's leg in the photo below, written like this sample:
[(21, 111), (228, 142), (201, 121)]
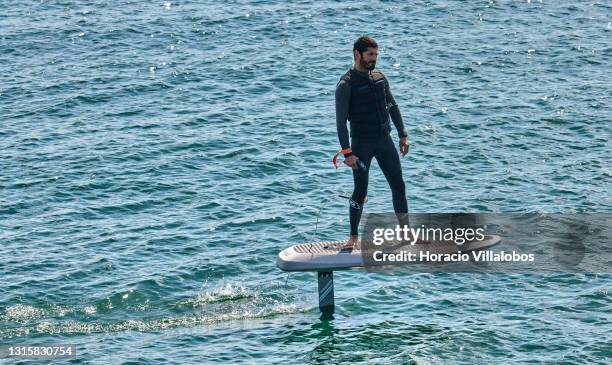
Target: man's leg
[(389, 162), (364, 151), (360, 179)]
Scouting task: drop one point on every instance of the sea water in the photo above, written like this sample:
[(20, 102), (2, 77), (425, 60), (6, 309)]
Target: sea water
[(155, 156)]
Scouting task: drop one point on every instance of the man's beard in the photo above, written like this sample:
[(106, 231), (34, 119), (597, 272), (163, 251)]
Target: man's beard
[(368, 65)]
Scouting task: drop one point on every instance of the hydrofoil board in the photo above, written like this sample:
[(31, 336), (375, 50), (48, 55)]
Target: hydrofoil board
[(329, 256)]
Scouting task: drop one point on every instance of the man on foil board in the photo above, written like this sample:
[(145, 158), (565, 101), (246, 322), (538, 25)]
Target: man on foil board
[(364, 98)]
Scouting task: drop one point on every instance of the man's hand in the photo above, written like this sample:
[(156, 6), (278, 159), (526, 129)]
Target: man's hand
[(351, 161), (404, 145)]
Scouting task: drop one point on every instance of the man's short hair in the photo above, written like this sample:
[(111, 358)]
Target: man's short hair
[(363, 43)]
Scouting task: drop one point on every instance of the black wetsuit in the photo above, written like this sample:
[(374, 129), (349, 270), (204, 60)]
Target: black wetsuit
[(370, 137)]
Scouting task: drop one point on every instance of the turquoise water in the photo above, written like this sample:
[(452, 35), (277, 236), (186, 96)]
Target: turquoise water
[(156, 156)]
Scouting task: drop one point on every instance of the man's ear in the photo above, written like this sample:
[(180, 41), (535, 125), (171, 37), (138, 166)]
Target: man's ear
[(356, 55)]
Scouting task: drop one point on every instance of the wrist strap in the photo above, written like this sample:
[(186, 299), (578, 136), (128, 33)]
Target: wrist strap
[(346, 152)]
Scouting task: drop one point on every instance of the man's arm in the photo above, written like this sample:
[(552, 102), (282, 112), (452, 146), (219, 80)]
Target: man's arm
[(394, 111), (343, 97)]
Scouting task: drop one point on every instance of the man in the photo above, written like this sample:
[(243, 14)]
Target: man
[(363, 96)]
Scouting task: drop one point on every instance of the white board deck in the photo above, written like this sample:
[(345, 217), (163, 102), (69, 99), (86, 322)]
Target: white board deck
[(321, 256)]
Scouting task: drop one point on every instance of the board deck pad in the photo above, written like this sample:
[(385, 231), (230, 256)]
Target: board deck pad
[(321, 256)]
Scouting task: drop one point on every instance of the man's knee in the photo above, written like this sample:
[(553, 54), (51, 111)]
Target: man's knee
[(357, 200)]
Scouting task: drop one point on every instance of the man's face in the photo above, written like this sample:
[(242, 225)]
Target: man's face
[(368, 59)]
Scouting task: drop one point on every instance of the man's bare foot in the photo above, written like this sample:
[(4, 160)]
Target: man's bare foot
[(350, 244)]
